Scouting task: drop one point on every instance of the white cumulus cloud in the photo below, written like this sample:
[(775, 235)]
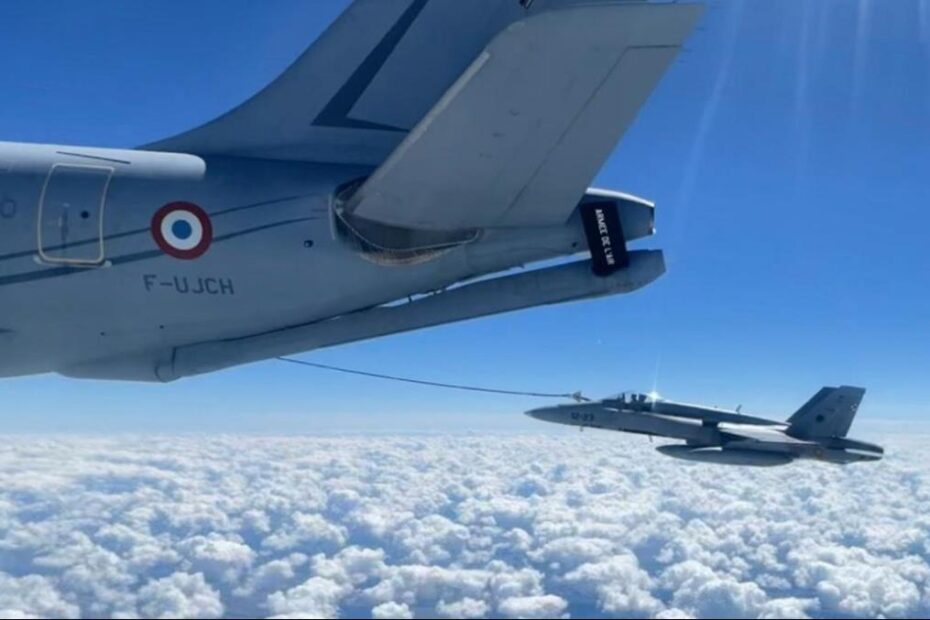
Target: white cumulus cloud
[(454, 527)]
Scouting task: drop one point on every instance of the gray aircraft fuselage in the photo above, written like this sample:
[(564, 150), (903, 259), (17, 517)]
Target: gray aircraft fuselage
[(86, 291), (402, 173)]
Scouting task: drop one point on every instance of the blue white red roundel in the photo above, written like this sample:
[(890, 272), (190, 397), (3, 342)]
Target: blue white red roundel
[(182, 230)]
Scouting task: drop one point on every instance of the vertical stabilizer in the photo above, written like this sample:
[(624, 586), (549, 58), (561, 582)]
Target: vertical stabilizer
[(829, 413)]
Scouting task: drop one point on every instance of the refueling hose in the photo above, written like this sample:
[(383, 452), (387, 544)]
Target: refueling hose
[(576, 396)]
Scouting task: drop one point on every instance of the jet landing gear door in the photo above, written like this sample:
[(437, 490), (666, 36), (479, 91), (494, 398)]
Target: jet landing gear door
[(605, 236), (71, 215)]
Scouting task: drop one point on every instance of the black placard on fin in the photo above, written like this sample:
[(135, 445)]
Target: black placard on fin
[(605, 236)]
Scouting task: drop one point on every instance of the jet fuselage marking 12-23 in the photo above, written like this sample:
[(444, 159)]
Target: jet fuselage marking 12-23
[(369, 173)]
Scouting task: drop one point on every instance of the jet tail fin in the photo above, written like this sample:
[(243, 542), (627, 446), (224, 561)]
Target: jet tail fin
[(828, 414)]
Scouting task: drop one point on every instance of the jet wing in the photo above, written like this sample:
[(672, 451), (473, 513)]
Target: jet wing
[(359, 89), (706, 415), (748, 436), (521, 134), (712, 416)]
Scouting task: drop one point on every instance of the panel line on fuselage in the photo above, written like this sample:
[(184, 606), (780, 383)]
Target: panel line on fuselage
[(138, 231), (58, 272)]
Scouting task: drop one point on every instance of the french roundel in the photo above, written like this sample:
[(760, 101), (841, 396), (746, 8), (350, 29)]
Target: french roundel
[(182, 230)]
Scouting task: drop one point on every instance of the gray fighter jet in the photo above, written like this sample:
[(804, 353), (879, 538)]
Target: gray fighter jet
[(816, 431)]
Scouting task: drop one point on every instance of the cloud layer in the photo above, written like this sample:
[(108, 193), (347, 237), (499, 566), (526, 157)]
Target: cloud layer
[(471, 526)]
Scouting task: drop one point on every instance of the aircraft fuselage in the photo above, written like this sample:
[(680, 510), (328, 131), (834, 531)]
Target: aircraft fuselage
[(89, 273)]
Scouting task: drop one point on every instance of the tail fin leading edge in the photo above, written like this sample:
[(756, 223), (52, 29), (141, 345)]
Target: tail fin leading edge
[(829, 413)]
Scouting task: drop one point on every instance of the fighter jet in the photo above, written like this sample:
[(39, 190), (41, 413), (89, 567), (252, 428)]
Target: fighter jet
[(395, 177), (816, 431)]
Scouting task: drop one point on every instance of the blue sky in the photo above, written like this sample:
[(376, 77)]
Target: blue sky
[(787, 151)]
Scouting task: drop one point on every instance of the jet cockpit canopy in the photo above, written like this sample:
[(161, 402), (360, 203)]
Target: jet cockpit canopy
[(636, 399)]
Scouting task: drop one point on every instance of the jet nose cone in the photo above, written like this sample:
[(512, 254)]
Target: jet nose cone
[(536, 414), (544, 414)]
